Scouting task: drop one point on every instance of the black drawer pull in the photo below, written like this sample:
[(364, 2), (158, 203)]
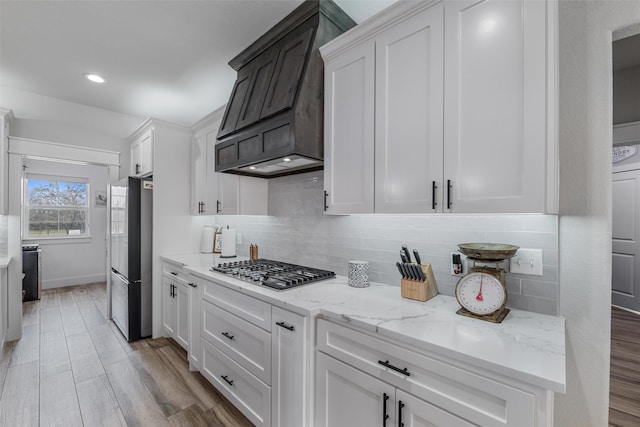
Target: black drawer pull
[(284, 325), (386, 364), (228, 335), (193, 285), (226, 378), (174, 273)]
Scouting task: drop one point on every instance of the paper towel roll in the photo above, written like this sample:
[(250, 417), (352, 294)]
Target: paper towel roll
[(228, 243)]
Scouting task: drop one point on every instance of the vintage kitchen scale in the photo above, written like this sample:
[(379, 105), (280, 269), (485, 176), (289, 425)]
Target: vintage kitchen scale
[(482, 292)]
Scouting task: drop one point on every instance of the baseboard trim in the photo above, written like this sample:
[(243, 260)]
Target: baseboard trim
[(70, 281)]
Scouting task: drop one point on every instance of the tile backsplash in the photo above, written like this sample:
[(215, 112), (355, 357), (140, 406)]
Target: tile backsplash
[(4, 232), (298, 231)]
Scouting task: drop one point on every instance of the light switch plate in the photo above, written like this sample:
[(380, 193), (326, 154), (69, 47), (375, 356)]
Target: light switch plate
[(527, 261)]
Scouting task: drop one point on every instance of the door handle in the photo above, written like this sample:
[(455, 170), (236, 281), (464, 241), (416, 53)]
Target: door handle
[(325, 200), (400, 407), (449, 187), (433, 195), (385, 416), (218, 207)]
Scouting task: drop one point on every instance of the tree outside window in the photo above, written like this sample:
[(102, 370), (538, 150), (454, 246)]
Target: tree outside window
[(56, 207)]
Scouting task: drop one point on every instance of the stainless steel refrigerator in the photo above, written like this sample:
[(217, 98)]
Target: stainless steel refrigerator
[(131, 227)]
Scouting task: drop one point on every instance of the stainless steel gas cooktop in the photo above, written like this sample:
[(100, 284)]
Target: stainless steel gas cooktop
[(273, 274)]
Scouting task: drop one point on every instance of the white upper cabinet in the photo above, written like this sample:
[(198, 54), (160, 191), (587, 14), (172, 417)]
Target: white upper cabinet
[(221, 193), (348, 130), (408, 125), (454, 100), (495, 128), (142, 154)]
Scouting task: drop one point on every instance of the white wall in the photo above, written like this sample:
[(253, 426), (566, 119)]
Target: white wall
[(53, 120), (585, 122), (4, 232), (298, 231), (77, 261), (626, 95)]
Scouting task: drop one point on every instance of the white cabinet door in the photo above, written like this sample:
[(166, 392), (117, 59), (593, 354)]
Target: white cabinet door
[(495, 105), (289, 360), (347, 397), (228, 185), (3, 306), (204, 182), (142, 155), (181, 297), (253, 196), (409, 115), (349, 131), (414, 412), (169, 319)]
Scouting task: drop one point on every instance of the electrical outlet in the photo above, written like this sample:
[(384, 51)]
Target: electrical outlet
[(527, 261), (458, 270)]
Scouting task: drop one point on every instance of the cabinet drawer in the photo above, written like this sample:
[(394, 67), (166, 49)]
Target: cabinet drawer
[(245, 307), (250, 395), (243, 342), (473, 397), (172, 270)]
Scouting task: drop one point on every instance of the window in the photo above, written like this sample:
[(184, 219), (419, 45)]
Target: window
[(56, 207)]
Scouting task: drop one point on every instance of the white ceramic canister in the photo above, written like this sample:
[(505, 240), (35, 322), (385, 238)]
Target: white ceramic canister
[(359, 274), (206, 239)]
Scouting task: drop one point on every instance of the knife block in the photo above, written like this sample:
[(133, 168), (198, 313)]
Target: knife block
[(418, 289)]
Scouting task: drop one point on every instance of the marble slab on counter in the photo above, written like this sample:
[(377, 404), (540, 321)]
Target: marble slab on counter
[(526, 346), (4, 262)]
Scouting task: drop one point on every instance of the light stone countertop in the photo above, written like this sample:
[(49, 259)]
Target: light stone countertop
[(4, 262), (527, 346)]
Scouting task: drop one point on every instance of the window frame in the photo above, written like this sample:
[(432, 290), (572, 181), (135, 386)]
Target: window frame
[(27, 207)]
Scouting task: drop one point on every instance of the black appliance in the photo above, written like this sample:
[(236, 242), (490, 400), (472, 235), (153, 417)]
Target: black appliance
[(273, 274), (32, 270), (131, 226)]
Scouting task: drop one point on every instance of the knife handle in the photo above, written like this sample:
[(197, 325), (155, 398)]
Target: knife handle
[(403, 257), (406, 252), (400, 269), (417, 256)]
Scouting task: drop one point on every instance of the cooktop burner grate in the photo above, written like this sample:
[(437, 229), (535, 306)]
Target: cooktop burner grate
[(273, 274)]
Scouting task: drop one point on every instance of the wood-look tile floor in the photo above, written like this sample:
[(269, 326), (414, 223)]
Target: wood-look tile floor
[(72, 367), (624, 394)]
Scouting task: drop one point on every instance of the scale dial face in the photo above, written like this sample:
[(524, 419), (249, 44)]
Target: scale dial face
[(481, 293)]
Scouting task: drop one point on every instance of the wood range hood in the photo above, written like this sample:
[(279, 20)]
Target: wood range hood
[(273, 123)]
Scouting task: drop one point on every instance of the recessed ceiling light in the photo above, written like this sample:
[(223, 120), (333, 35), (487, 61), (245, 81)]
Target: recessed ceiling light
[(286, 159), (94, 78)]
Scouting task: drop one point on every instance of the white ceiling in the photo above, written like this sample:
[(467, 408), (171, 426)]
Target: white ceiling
[(165, 59)]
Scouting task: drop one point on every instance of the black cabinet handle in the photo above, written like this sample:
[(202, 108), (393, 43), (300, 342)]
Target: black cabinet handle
[(400, 406), (433, 195), (218, 207), (201, 208), (137, 168), (228, 335), (173, 273), (385, 416), (325, 200), (193, 285), (386, 364), (284, 325), (226, 378), (449, 186), (171, 290)]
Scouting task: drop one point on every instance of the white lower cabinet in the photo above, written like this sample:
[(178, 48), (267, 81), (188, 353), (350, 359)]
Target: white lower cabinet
[(433, 389), (176, 301), (289, 363), (250, 395), (256, 355), (346, 396)]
